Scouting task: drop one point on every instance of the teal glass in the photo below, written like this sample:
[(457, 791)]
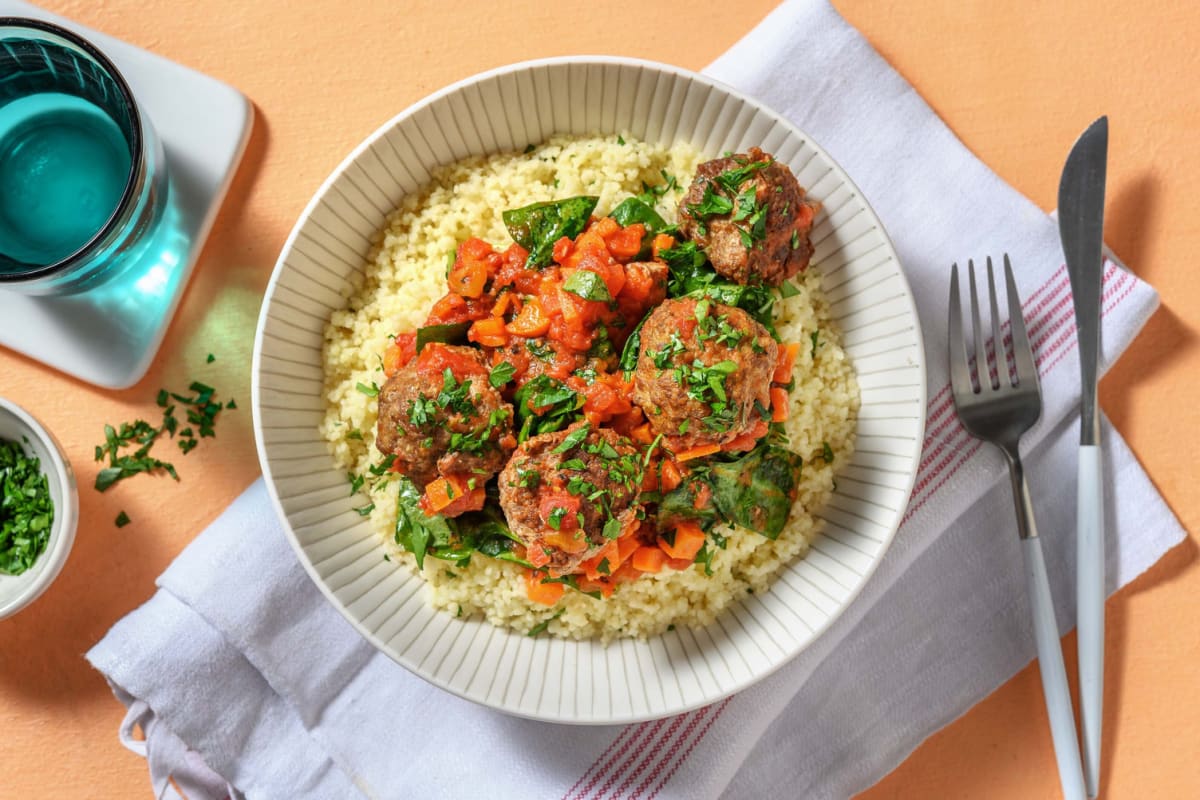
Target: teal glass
[(83, 179)]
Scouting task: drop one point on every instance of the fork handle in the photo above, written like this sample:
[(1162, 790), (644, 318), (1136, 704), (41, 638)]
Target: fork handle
[(1089, 604), (1054, 673)]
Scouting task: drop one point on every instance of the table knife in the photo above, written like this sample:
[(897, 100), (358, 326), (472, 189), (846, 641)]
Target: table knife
[(1081, 226)]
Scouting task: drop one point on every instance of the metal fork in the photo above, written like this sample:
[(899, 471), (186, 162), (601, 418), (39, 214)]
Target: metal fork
[(1000, 411)]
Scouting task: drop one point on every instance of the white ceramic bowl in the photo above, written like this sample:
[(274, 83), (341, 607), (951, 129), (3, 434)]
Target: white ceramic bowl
[(18, 425), (581, 682)]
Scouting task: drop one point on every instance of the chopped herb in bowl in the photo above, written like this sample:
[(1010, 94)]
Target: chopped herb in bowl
[(26, 509)]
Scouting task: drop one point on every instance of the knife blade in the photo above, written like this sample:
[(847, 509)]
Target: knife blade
[(1081, 227)]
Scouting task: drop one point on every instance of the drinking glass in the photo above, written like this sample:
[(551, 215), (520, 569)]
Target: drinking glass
[(82, 176)]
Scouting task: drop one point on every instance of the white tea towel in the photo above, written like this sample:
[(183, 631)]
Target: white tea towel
[(243, 675)]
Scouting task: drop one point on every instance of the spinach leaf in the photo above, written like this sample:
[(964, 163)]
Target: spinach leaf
[(588, 285), (538, 226), (455, 539), (633, 346), (417, 532), (557, 401), (757, 490), (455, 333)]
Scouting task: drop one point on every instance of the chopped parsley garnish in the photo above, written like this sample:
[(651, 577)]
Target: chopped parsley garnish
[(122, 520), (711, 205), (827, 452), (573, 439), (211, 358), (612, 529), (603, 567), (665, 355), (369, 391), (732, 179), (620, 139), (27, 510), (795, 240), (556, 517), (815, 341), (356, 482), (544, 624), (365, 511)]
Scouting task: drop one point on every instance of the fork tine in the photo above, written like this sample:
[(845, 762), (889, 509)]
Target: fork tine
[(960, 374), (1022, 352), (1002, 373), (981, 362)]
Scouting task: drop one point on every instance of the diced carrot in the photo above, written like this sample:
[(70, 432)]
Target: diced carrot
[(641, 434), (779, 404), (503, 301), (587, 584), (607, 555), (440, 493), (532, 321), (662, 242), (699, 451), (627, 546), (574, 542), (671, 477), (689, 538), (626, 574), (648, 559), (452, 495), (596, 418), (747, 440), (488, 332), (787, 359), (468, 278), (545, 593)]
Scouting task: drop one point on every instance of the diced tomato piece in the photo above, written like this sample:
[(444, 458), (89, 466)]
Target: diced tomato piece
[(574, 542), (551, 501), (435, 358), (451, 495), (400, 352), (626, 243), (680, 564), (562, 249)]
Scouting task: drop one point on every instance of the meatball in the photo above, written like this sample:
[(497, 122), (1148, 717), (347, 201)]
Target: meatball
[(439, 415), (749, 238), (703, 373), (566, 494)]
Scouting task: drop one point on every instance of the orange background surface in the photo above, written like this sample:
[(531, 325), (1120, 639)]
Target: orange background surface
[(1016, 85)]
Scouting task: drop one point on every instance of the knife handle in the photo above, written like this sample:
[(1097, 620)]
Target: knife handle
[(1054, 673), (1089, 606)]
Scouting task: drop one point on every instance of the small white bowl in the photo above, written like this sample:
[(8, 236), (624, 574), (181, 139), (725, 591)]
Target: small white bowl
[(18, 425)]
